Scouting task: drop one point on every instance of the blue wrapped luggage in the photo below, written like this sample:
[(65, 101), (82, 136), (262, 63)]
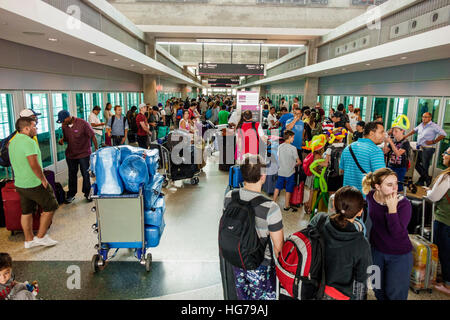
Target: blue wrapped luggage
[(155, 215), (153, 235), (152, 190), (134, 172), (107, 165)]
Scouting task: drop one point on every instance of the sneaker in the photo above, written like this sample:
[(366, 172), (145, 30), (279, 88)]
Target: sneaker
[(31, 244), (45, 241), (69, 199)]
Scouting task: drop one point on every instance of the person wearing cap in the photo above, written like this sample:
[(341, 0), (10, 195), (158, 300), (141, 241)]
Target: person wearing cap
[(359, 133), (31, 184), (397, 151), (143, 130), (96, 124), (429, 134), (78, 134), (25, 113)]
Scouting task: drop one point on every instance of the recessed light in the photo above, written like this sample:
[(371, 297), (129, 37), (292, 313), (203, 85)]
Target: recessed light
[(92, 52), (343, 69), (52, 39), (144, 69), (32, 33), (132, 65), (116, 59), (403, 58), (367, 64)]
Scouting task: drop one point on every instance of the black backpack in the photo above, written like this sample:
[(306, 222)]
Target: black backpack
[(335, 158), (239, 244), (60, 193), (4, 153)]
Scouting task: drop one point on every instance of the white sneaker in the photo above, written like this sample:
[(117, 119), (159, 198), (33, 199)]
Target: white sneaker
[(31, 244), (45, 241)]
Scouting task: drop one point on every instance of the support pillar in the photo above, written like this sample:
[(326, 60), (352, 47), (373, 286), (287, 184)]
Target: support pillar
[(150, 94), (311, 90), (184, 91)]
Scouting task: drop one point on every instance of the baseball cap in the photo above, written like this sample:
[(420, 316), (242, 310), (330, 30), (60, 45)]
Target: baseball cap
[(142, 105), (62, 115), (28, 113)]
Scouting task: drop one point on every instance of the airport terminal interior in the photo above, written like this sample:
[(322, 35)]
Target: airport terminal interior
[(390, 59)]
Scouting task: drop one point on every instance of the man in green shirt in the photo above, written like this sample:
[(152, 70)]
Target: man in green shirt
[(223, 115), (31, 184)]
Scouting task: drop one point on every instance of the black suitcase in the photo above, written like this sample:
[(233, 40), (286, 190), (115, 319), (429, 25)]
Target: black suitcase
[(226, 160), (415, 224)]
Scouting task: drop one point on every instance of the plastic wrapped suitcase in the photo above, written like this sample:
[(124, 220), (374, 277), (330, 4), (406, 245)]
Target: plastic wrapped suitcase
[(13, 210), (425, 263), (269, 186), (235, 177)]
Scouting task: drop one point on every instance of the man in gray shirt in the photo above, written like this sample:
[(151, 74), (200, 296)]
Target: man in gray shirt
[(287, 159), (118, 127)]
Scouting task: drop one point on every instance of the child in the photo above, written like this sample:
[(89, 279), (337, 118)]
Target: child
[(335, 179), (288, 159), (10, 289), (347, 252), (359, 133)]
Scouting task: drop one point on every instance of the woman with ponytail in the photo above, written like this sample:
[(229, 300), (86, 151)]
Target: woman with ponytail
[(390, 213), (347, 252)]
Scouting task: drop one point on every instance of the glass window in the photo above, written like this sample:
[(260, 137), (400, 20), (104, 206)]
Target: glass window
[(361, 103), (397, 107), (39, 103), (428, 105), (112, 98), (379, 108), (6, 125), (132, 99), (142, 97), (121, 100), (6, 115), (84, 105), (445, 143), (60, 102)]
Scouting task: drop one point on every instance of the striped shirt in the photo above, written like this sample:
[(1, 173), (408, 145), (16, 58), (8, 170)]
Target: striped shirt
[(370, 158), (268, 218)]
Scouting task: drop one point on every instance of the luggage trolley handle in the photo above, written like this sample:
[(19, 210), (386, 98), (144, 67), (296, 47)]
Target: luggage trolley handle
[(424, 200), (165, 157)]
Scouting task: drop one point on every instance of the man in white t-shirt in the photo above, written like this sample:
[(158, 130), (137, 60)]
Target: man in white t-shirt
[(352, 117), (272, 118), (96, 124)]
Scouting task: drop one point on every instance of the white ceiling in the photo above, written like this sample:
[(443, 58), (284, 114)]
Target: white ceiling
[(13, 25)]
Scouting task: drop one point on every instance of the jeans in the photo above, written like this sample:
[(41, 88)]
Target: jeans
[(423, 164), (400, 175), (441, 237), (73, 164), (142, 141), (116, 140), (395, 275)]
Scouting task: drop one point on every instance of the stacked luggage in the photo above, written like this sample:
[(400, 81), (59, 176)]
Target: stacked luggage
[(129, 204), (425, 263)]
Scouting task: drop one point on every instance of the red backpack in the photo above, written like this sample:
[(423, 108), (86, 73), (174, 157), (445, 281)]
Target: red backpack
[(300, 267), (249, 135), (307, 163)]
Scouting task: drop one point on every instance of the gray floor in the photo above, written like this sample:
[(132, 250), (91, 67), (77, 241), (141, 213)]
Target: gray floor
[(186, 264)]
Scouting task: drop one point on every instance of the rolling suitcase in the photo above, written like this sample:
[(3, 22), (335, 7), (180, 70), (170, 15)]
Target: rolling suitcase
[(3, 182), (13, 210), (50, 176), (297, 195), (235, 179), (425, 263)]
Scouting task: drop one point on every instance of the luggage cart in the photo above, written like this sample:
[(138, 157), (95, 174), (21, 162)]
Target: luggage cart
[(409, 175), (120, 225), (166, 166)]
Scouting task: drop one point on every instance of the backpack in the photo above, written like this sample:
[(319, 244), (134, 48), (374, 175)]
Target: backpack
[(60, 193), (333, 168), (239, 244), (131, 123), (4, 152), (307, 163), (300, 266), (180, 114)]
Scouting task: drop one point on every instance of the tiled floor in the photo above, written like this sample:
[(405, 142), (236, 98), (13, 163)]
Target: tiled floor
[(185, 262)]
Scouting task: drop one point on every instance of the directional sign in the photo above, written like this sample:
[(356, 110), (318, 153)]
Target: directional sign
[(231, 69)]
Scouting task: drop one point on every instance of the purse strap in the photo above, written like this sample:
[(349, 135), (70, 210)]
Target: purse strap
[(356, 161)]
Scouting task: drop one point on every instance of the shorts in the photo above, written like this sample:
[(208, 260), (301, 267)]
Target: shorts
[(45, 198), (290, 183)]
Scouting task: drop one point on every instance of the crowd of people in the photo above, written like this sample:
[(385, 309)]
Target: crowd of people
[(365, 164)]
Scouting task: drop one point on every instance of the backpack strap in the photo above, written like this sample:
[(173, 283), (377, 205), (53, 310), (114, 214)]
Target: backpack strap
[(356, 161), (112, 121)]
